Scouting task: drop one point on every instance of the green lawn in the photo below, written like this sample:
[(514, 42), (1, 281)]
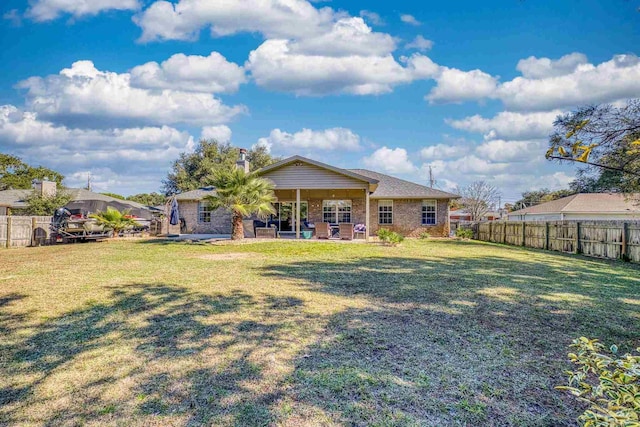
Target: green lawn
[(298, 333)]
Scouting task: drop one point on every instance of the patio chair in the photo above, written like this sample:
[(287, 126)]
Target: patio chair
[(323, 230), (360, 231), (346, 231)]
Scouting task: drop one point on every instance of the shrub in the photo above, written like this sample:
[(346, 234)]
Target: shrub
[(464, 233), (389, 237), (610, 385), (424, 235)]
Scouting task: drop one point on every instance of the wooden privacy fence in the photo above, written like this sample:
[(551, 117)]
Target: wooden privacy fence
[(602, 239), (24, 231)]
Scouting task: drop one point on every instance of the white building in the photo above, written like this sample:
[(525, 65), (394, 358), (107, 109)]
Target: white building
[(583, 207)]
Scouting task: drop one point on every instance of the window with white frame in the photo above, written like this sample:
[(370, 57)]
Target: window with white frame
[(385, 211), (429, 208), (204, 212), (336, 211)]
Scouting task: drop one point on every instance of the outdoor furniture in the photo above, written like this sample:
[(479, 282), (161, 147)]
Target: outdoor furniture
[(286, 234), (306, 234), (346, 231), (323, 230), (360, 231), (265, 232)]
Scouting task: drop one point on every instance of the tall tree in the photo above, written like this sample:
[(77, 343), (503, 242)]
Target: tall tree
[(42, 204), (16, 174), (191, 170), (478, 198), (605, 139), (243, 194)]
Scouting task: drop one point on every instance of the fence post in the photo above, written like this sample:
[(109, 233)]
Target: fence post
[(624, 251), (34, 225), (491, 231), (546, 235), (504, 232), (524, 237), (578, 249), (9, 231)]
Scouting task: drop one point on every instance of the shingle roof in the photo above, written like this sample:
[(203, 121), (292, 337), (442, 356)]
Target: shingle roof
[(586, 203), (15, 198), (196, 194), (390, 187)]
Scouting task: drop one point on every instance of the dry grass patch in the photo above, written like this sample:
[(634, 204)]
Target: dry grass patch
[(230, 256), (432, 333)]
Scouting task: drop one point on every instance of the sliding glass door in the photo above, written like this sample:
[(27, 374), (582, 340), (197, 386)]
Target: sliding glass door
[(284, 219)]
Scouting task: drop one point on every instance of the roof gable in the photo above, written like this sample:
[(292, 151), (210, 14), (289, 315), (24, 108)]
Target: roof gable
[(294, 159)]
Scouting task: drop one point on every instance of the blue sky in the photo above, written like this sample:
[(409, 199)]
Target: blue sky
[(119, 88)]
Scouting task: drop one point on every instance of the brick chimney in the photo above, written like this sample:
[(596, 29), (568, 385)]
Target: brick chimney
[(45, 187), (242, 162)]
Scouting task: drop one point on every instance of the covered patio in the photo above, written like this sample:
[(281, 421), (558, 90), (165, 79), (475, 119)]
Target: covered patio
[(310, 193)]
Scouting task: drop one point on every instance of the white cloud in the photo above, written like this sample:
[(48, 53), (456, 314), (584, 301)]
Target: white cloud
[(272, 18), (455, 85), (193, 73), (219, 133), (540, 68), (470, 164), (348, 36), (442, 151), (565, 83), (274, 66), (105, 179), (48, 10), (409, 19), (499, 150), (391, 160), (372, 17), (509, 125), (420, 43), (517, 183), (307, 139), (618, 78), (14, 17), (141, 155), (85, 95)]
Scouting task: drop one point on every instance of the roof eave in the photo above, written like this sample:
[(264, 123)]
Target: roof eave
[(421, 197)]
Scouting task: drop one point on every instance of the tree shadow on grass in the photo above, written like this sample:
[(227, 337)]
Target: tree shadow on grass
[(464, 341), (157, 353)]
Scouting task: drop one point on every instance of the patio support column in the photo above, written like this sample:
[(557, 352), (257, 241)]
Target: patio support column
[(366, 209), (297, 213)]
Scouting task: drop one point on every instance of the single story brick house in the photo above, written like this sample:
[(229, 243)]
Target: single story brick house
[(317, 192)]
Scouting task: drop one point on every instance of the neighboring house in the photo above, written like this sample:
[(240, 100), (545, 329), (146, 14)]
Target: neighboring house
[(463, 215), (12, 201), (317, 192), (583, 207)]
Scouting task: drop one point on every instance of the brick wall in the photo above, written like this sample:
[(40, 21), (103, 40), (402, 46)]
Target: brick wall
[(358, 210), (220, 220), (407, 218)]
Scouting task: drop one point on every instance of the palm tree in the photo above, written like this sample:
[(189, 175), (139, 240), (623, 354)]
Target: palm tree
[(244, 194), (113, 219)]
